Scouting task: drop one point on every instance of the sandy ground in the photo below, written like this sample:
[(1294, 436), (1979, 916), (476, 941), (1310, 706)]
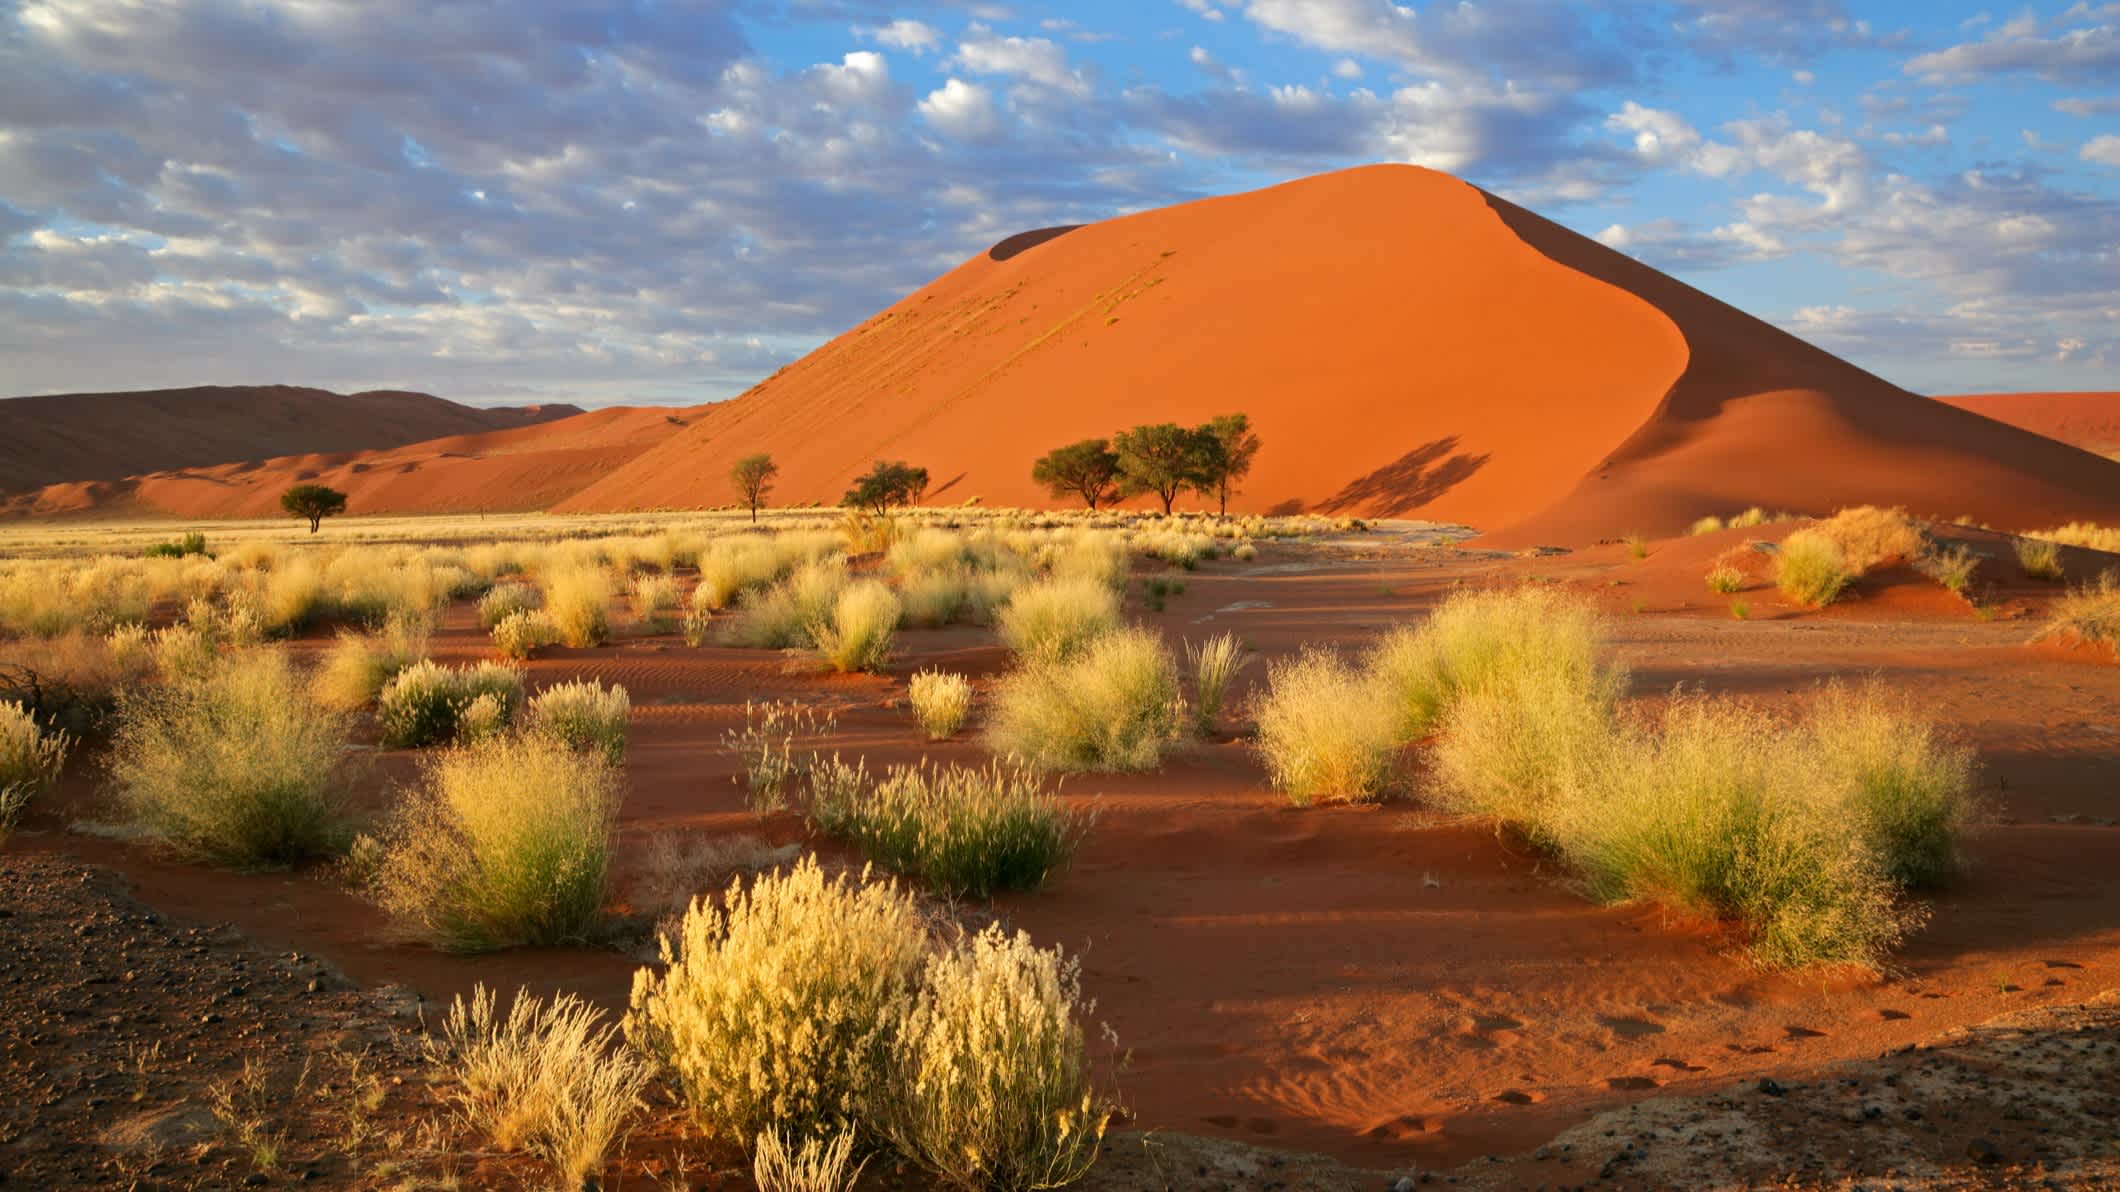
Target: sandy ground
[(1381, 988)]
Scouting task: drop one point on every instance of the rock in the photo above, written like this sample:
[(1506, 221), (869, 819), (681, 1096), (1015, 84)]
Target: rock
[(161, 1129), (1772, 1087)]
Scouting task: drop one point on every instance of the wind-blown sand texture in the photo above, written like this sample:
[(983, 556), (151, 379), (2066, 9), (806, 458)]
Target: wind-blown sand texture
[(2087, 420), (68, 437)]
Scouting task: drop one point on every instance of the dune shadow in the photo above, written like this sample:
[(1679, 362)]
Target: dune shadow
[(1408, 482), (1023, 242)]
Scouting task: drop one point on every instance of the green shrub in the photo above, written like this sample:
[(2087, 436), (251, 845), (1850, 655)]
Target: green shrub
[(503, 601), (583, 715), (235, 766), (778, 1008), (964, 832), (1056, 619), (990, 1085), (1481, 641), (1116, 706), (1326, 731), (941, 701), (1811, 569), (858, 635), (1910, 789), (425, 702), (506, 842)]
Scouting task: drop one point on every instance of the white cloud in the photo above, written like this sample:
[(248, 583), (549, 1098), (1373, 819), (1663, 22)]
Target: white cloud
[(1038, 59), (2067, 49), (1347, 68), (2105, 150), (917, 36), (963, 110)]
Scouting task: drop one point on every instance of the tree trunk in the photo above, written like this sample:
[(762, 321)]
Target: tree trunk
[(314, 522)]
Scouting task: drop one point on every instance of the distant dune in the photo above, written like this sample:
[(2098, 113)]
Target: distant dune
[(1406, 344), (72, 437), (2087, 420)]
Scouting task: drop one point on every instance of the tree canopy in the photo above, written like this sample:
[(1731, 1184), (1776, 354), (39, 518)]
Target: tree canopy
[(753, 477), (313, 501), (1087, 469), (886, 484), (1165, 459), (1237, 444)]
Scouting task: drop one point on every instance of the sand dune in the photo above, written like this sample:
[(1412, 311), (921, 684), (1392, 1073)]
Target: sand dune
[(1407, 345), (2087, 420), (70, 437), (515, 469)]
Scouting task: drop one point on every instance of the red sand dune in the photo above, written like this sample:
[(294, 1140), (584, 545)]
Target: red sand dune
[(519, 468), (1407, 345), (2087, 420), (68, 437)]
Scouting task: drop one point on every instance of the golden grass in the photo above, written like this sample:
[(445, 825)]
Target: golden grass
[(941, 702), (964, 832), (2039, 558), (857, 636), (1811, 568), (1114, 706), (1215, 662), (1327, 730), (1477, 641), (2089, 612), (1057, 618), (582, 714), (577, 603)]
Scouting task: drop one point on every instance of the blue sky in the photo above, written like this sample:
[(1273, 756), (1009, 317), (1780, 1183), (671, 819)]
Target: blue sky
[(663, 200)]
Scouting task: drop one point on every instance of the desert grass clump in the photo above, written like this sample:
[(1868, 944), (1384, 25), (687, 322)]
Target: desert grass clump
[(1114, 706), (1507, 747), (1706, 525), (582, 715), (425, 702), (964, 832), (1214, 663), (503, 601), (577, 601), (1057, 618), (941, 700), (1244, 552), (1479, 641), (1721, 811), (183, 651), (360, 665), (1725, 575), (1953, 568), (1910, 790), (505, 843), (1326, 730), (653, 597), (236, 766), (2040, 559), (2088, 535), (551, 1078), (1811, 568), (519, 636), (990, 1084), (859, 632), (783, 616), (2089, 612), (778, 1008), (779, 1163), (31, 757), (766, 746), (1868, 535)]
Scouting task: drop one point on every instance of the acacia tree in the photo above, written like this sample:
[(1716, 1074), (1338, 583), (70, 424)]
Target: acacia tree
[(1165, 459), (753, 477), (1087, 469), (885, 485), (1233, 435), (313, 501)]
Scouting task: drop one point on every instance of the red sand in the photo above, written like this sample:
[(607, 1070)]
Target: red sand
[(71, 437), (2087, 420)]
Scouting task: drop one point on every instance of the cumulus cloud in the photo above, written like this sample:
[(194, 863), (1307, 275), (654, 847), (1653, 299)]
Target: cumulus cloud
[(2081, 45), (916, 36), (961, 109), (2105, 150)]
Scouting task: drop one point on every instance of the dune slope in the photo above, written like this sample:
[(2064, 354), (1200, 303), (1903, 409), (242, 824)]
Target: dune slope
[(69, 437), (2087, 420), (1406, 344)]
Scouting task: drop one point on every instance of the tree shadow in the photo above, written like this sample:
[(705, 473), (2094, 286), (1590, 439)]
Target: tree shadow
[(1408, 482)]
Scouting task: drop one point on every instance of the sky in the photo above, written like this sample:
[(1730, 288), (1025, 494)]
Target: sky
[(662, 201)]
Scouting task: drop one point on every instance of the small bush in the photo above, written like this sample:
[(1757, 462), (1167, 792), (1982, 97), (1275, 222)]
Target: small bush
[(964, 832), (1910, 789), (779, 1164), (506, 843), (518, 636), (549, 1078), (863, 623), (1637, 546), (2039, 559), (1868, 536), (990, 1085), (1953, 568), (1114, 707), (360, 665), (697, 621), (2090, 612), (577, 601), (1725, 576), (30, 755), (503, 601), (1058, 618), (425, 702), (1245, 552), (1214, 663), (777, 1009), (1477, 641), (653, 597), (235, 766), (1706, 525), (1326, 731), (1811, 569), (941, 701), (1740, 609), (1507, 747), (583, 715), (782, 617)]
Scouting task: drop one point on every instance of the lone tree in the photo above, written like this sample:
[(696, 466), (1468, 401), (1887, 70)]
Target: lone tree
[(1087, 469), (1165, 459), (313, 501), (753, 477), (885, 485), (1233, 434)]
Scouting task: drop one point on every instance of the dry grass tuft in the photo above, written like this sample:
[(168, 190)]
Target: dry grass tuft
[(859, 633), (1214, 663), (1114, 706), (1058, 618), (965, 832), (941, 702), (582, 715), (1476, 641), (1326, 730), (2040, 559), (1811, 568), (577, 601), (780, 1164), (2090, 612)]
